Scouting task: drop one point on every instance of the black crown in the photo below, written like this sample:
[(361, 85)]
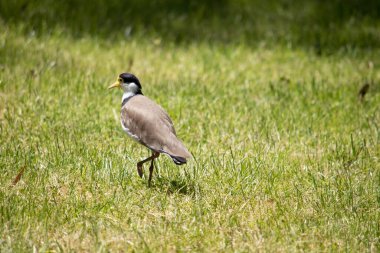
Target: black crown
[(130, 78)]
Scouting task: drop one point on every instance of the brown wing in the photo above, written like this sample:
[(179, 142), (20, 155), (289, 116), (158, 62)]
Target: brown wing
[(152, 126)]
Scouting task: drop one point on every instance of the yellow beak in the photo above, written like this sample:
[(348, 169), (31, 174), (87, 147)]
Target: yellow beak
[(116, 84)]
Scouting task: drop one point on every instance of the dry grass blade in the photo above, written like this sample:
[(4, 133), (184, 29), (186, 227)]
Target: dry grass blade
[(19, 175)]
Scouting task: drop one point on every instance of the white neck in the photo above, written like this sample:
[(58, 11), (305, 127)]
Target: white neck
[(127, 94), (130, 89)]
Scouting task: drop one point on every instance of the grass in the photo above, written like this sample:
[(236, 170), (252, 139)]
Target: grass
[(286, 157)]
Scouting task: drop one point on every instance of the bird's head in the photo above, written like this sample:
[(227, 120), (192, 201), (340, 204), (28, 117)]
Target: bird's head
[(128, 83)]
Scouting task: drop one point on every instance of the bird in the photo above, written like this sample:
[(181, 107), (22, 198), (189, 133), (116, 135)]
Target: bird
[(149, 124), (363, 91)]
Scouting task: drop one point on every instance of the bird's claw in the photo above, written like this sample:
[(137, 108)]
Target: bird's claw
[(140, 171)]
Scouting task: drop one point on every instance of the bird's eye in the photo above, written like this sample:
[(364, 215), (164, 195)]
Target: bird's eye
[(120, 80)]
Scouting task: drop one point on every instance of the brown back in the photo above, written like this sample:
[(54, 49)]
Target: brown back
[(152, 125)]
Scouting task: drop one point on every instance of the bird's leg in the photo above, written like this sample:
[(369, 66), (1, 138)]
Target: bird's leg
[(155, 155), (140, 164), (150, 172)]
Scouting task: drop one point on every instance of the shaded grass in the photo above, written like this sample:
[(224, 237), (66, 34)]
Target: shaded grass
[(324, 27), (285, 154)]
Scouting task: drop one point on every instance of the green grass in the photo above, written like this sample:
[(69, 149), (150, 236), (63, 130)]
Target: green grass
[(286, 157)]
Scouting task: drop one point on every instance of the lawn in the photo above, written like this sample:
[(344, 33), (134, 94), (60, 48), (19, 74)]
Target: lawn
[(286, 155)]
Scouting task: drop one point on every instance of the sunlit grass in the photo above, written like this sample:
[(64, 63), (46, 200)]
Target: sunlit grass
[(286, 157)]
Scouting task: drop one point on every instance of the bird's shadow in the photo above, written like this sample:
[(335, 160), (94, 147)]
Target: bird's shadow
[(173, 186)]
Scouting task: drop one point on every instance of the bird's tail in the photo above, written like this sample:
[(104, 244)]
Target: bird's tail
[(177, 151), (178, 160)]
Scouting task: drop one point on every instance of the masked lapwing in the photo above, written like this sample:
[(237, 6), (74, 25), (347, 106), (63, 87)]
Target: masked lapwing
[(148, 124)]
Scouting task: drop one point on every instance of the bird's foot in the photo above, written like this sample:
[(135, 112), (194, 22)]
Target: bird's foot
[(140, 170)]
